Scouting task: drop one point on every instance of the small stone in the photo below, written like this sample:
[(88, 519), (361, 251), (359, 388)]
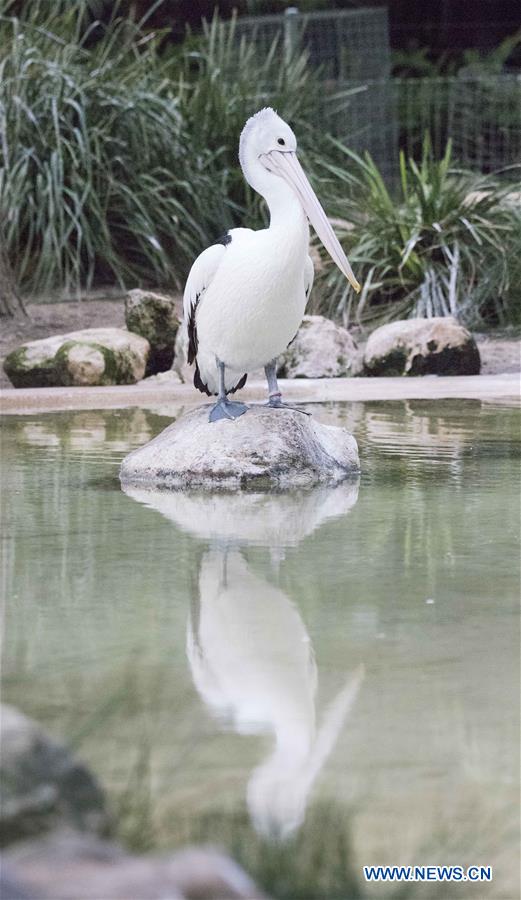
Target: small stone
[(438, 346), (154, 317), (320, 349), (262, 448), (170, 377), (92, 356), (42, 784), (68, 865)]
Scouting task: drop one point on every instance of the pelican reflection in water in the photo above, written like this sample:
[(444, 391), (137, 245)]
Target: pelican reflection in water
[(252, 662), (249, 651)]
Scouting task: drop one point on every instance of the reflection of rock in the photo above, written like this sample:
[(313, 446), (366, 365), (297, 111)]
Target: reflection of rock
[(88, 430), (42, 784), (93, 356), (320, 349), (154, 317), (275, 520), (418, 435), (438, 346), (252, 662), (71, 865), (265, 447)]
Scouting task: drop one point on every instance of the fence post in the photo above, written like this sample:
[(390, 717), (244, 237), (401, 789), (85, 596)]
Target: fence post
[(291, 15)]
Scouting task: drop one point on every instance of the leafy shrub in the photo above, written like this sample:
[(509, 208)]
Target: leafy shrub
[(447, 245)]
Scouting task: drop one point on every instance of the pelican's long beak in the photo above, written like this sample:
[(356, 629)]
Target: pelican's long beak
[(286, 164)]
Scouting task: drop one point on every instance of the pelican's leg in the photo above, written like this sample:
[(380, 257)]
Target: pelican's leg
[(275, 397), (224, 408)]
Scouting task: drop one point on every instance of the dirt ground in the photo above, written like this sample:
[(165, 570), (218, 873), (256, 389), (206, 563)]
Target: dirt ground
[(499, 353)]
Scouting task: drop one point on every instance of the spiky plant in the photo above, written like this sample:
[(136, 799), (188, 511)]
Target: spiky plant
[(118, 158), (444, 245)]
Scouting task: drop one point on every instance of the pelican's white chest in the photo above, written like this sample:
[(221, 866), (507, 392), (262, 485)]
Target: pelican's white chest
[(255, 304)]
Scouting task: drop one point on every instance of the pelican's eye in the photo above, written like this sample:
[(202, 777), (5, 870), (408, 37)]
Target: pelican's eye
[(281, 141)]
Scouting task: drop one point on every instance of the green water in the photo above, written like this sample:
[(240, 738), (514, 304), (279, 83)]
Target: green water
[(317, 680)]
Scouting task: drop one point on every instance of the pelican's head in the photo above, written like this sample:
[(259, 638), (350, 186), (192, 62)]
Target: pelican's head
[(268, 145)]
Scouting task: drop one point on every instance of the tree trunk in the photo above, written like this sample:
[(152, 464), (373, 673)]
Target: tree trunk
[(11, 304)]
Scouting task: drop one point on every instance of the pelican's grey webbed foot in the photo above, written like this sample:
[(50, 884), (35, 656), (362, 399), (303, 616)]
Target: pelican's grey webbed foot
[(275, 402), (275, 397), (224, 408)]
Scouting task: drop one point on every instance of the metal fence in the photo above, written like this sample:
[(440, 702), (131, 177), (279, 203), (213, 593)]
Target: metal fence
[(481, 115), (345, 44), (368, 110)]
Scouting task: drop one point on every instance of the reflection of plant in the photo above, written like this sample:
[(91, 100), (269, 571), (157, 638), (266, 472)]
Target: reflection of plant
[(316, 862), (446, 245)]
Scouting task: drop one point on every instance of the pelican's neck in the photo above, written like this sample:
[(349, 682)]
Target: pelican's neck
[(286, 213), (287, 216)]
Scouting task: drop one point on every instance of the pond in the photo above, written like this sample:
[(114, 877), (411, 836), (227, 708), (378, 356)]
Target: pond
[(317, 680)]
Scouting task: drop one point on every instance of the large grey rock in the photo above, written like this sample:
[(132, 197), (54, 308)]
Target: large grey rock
[(41, 784), (321, 349), (68, 865), (262, 448), (92, 356), (438, 346), (154, 317)]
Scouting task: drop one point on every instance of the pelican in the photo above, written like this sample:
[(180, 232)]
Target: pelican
[(245, 296)]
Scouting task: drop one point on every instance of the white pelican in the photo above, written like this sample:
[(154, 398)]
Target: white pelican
[(246, 295)]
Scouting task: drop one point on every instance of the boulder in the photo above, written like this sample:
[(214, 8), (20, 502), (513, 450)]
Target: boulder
[(320, 349), (153, 316), (93, 356), (42, 784), (438, 346), (180, 364), (262, 448)]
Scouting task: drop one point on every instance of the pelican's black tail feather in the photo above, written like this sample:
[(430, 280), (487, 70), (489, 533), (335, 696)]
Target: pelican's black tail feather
[(201, 386), (198, 382), (240, 384)]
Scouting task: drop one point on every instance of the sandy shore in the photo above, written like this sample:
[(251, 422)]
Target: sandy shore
[(174, 397)]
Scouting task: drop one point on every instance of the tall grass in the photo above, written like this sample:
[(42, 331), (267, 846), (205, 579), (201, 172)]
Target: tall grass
[(118, 160), (447, 244)]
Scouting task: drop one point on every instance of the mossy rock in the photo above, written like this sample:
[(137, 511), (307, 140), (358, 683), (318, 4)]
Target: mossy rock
[(93, 356), (154, 317), (437, 346)]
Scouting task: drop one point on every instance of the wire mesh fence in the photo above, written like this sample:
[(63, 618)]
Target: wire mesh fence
[(345, 44), (481, 115), (368, 110)]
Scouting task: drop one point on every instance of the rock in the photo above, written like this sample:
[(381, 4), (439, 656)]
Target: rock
[(320, 349), (67, 865), (153, 316), (170, 377), (263, 448), (438, 346), (42, 784), (93, 356), (180, 364)]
